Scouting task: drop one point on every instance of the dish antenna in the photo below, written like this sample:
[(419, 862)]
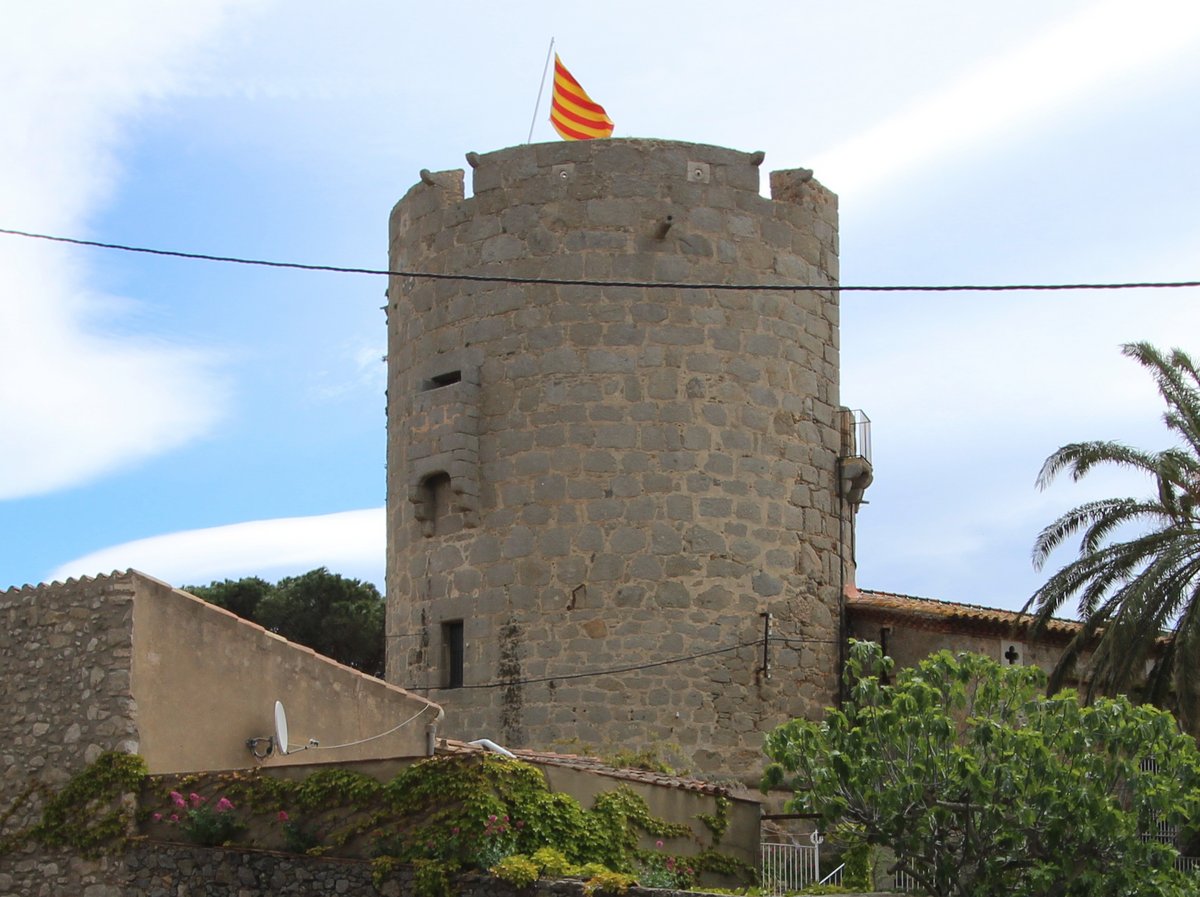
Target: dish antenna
[(281, 729)]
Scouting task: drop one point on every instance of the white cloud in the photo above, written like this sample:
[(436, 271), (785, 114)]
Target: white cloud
[(78, 400), (1086, 52), (351, 543)]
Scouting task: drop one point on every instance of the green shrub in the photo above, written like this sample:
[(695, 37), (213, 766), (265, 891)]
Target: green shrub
[(516, 870), (553, 863)]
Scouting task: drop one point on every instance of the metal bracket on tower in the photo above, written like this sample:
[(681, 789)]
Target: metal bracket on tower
[(766, 658)]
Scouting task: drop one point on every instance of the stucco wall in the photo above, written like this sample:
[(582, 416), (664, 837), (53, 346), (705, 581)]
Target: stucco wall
[(744, 817), (206, 681), (909, 640)]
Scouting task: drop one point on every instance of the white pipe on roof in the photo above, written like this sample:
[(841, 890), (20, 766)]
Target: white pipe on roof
[(489, 745)]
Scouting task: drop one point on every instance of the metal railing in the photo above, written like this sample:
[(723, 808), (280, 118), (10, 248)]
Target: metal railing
[(789, 867), (856, 434)]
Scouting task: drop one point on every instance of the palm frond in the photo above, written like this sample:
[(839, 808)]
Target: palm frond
[(1139, 598), (1080, 457)]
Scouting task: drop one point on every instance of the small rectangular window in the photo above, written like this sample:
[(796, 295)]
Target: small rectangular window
[(452, 653), (441, 380)]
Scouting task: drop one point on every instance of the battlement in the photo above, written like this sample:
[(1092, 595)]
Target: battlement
[(625, 197)]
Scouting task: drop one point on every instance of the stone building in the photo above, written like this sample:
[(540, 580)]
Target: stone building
[(909, 629), (618, 515), (126, 663)]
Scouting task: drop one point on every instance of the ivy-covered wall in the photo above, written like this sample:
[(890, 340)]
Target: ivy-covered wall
[(64, 661), (112, 830)]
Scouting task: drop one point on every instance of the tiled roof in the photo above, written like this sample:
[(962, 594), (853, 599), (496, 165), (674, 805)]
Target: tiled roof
[(598, 767), (930, 612)]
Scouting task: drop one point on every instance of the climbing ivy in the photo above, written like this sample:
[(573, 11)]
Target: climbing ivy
[(717, 822), (439, 816), (89, 813)]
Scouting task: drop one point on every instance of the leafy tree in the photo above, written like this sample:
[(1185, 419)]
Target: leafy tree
[(241, 596), (335, 616), (1133, 592), (982, 785)]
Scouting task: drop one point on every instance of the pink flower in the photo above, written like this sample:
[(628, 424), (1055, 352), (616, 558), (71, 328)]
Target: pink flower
[(174, 817), (177, 799), (454, 831), (658, 844), (157, 817), (224, 805), (492, 818), (196, 799), (505, 819), (283, 816), (520, 823)]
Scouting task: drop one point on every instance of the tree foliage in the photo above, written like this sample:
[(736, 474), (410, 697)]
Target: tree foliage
[(339, 617), (982, 785), (1133, 592)]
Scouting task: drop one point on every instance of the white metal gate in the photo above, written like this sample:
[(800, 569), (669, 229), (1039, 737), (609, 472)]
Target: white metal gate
[(790, 867)]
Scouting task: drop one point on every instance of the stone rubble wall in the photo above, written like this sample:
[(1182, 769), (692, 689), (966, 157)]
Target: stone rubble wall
[(64, 660), (644, 472), (158, 869)]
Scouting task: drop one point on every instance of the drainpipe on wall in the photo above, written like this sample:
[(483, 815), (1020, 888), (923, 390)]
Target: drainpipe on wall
[(841, 661), (431, 733)]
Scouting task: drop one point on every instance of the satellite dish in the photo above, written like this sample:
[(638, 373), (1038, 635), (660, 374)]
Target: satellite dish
[(281, 730)]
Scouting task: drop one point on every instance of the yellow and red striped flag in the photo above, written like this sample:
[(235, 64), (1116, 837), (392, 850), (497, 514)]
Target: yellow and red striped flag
[(572, 112)]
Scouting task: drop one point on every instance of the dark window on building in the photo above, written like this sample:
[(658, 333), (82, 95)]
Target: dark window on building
[(452, 653), (435, 502), (441, 380)]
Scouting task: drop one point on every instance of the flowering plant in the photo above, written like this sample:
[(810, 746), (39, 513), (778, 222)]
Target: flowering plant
[(201, 822), (297, 836), (499, 840), (662, 870)]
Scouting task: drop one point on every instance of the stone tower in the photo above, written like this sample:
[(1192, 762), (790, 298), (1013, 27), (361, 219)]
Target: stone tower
[(597, 493)]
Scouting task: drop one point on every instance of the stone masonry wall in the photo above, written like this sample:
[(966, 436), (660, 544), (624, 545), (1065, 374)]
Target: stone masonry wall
[(633, 475), (64, 662), (175, 870)]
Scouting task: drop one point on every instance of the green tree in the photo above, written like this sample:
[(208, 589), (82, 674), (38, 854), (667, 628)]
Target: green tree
[(983, 785), (1136, 597), (339, 617), (240, 596)]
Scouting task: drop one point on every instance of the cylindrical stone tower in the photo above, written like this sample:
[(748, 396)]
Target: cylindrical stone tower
[(598, 492)]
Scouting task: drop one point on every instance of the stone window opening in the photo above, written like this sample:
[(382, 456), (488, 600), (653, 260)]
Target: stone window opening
[(434, 505), (440, 380), (453, 651)]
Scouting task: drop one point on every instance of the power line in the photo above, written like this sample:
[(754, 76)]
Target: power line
[(592, 673), (632, 284), (788, 642)]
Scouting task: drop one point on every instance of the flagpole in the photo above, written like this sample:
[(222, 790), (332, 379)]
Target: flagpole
[(541, 87)]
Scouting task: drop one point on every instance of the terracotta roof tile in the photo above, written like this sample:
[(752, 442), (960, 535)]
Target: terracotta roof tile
[(931, 611), (598, 767)]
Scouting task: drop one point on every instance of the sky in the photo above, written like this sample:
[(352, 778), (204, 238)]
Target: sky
[(200, 421)]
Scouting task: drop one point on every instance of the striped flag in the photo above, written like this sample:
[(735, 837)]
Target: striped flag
[(572, 111)]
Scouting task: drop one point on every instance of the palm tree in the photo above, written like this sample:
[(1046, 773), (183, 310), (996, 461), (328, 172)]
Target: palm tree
[(1138, 600)]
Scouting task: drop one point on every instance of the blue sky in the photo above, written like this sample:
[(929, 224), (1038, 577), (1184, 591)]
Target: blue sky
[(201, 421)]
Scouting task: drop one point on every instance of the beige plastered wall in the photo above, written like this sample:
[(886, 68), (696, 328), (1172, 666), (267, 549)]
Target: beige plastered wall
[(740, 840), (908, 645), (206, 681)]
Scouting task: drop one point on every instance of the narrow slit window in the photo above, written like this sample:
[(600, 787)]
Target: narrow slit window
[(442, 380), (452, 653)]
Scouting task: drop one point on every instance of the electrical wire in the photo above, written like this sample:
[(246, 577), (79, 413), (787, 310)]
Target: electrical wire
[(590, 674), (631, 284), (333, 747)]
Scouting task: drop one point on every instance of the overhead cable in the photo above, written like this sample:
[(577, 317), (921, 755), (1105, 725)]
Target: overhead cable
[(506, 683), (631, 284)]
